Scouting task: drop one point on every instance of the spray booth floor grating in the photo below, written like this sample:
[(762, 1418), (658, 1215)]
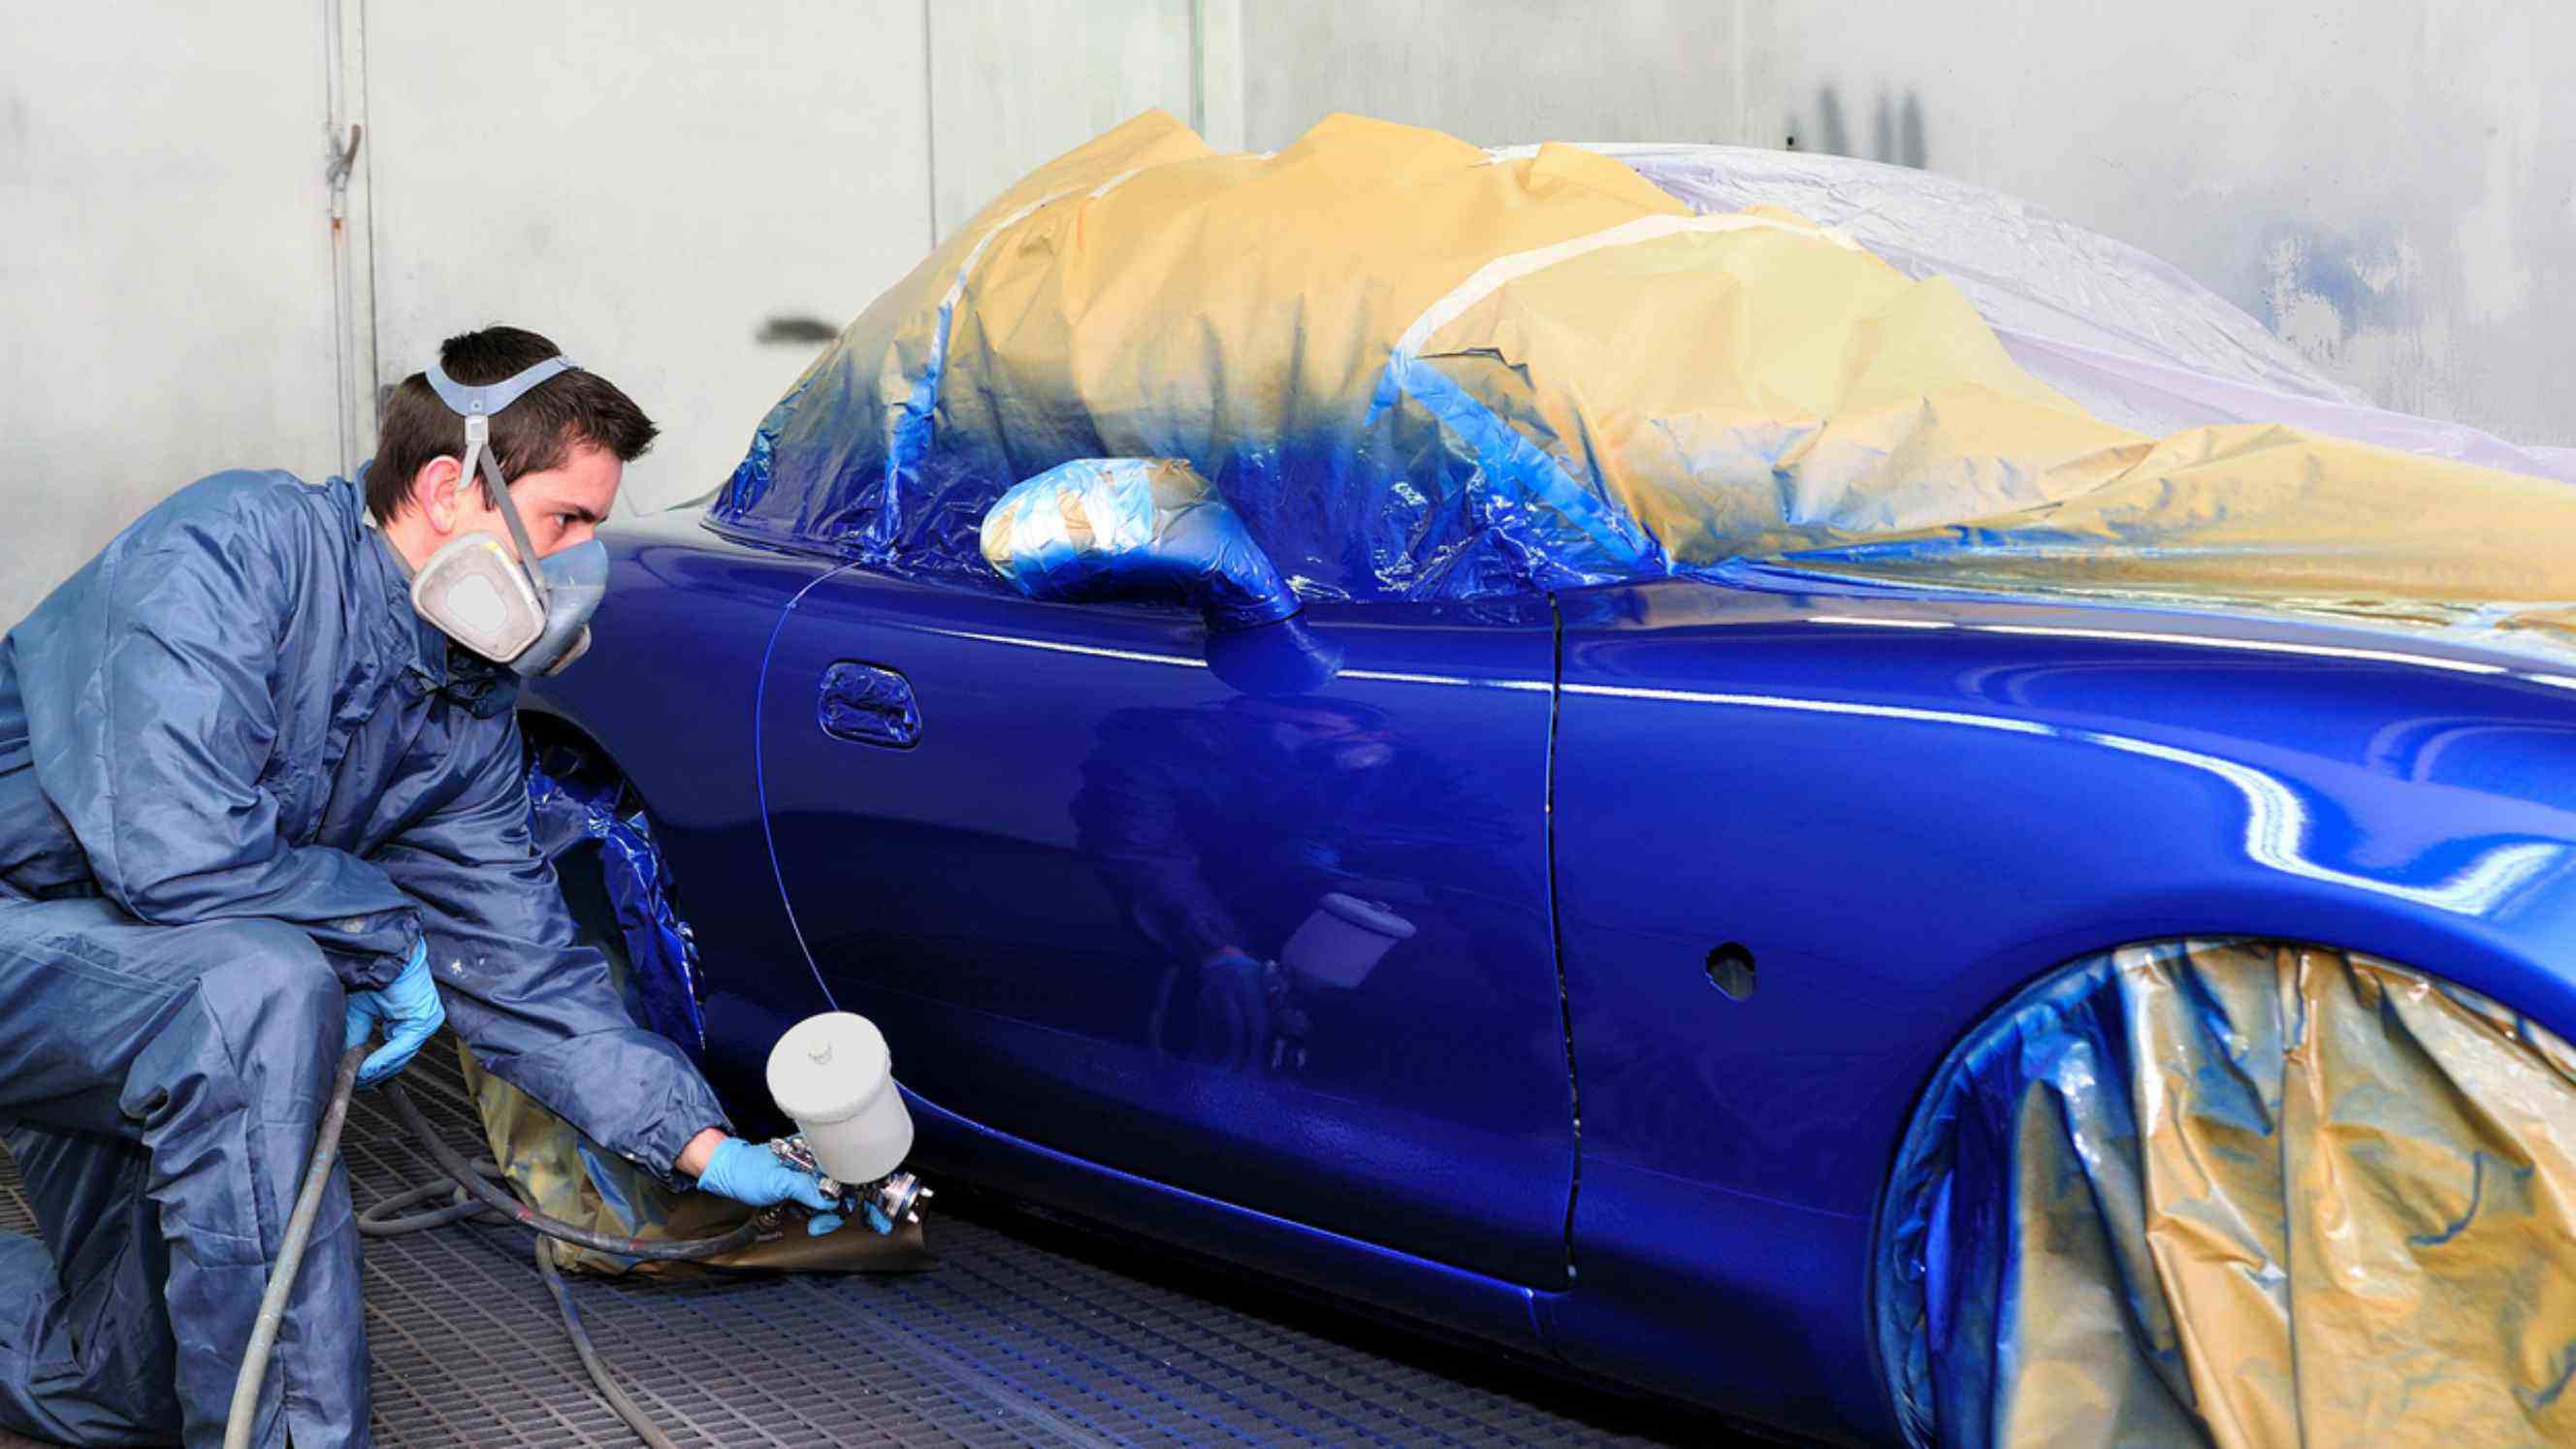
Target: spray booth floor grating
[(1026, 1333)]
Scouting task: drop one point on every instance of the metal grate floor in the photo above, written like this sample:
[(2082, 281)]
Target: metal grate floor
[(1025, 1334)]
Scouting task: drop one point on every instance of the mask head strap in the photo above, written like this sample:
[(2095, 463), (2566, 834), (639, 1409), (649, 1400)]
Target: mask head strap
[(491, 397), (477, 405)]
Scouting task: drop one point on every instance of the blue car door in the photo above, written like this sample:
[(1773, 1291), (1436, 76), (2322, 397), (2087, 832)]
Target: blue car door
[(1055, 855)]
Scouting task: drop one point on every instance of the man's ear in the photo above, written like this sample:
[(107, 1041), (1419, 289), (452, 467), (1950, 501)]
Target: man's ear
[(434, 492)]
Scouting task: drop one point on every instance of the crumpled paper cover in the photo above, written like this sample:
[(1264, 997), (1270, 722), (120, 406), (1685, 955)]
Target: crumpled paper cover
[(2240, 1192), (1418, 370)]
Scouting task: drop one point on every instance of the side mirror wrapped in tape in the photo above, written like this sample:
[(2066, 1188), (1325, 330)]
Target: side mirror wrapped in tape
[(1134, 528)]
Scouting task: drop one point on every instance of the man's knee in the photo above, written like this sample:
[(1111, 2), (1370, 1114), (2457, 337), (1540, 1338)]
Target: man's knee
[(270, 975), (259, 1027)]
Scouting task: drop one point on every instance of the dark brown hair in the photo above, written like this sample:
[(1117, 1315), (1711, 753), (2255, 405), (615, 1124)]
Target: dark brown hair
[(536, 433)]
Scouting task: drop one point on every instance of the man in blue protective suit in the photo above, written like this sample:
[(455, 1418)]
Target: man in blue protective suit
[(261, 798)]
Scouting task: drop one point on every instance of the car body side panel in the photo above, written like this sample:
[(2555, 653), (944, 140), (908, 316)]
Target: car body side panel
[(1025, 896), (1737, 1302), (1471, 1305), (1903, 810), (667, 692)]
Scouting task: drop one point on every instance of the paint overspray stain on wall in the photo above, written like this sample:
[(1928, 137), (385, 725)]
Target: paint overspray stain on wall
[(1896, 130), (786, 328), (2355, 306)]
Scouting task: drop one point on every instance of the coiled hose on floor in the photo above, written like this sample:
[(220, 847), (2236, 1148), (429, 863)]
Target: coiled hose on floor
[(472, 1189)]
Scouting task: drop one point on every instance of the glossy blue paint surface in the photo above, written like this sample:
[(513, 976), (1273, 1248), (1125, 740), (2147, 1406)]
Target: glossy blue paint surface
[(667, 692), (866, 705), (1905, 809), (1903, 806), (1030, 900), (1498, 1314)]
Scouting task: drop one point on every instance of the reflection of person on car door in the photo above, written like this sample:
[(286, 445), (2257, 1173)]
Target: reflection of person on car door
[(1220, 827)]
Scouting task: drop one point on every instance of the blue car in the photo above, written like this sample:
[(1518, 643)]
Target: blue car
[(1859, 1005)]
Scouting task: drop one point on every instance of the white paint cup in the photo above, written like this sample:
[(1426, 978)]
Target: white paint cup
[(832, 1073)]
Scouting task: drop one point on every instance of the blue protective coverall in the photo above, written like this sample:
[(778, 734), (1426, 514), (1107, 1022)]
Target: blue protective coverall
[(239, 778)]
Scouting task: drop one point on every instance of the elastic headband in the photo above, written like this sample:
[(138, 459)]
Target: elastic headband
[(494, 396), (477, 404)]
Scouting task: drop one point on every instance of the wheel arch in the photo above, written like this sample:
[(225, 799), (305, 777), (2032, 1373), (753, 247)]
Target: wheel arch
[(2525, 971)]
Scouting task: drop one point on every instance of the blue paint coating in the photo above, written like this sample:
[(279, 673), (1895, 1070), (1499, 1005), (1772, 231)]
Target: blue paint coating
[(1541, 506), (667, 694), (1102, 916), (753, 476), (869, 706), (569, 804), (1431, 497), (1496, 1313), (1148, 530), (1907, 805)]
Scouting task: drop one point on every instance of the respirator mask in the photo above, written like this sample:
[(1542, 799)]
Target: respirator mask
[(529, 613)]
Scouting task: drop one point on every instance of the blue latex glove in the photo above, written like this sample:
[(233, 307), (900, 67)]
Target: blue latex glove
[(409, 1011), (751, 1174)]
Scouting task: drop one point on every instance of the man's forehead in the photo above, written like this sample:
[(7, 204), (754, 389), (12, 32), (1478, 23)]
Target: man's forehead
[(589, 478)]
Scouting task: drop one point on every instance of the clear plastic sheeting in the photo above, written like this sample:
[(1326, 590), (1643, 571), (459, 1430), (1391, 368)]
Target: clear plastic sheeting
[(2240, 1192), (1417, 370), (2029, 273), (1103, 528), (2129, 337)]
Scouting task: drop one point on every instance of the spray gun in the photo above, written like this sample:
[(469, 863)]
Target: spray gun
[(833, 1075)]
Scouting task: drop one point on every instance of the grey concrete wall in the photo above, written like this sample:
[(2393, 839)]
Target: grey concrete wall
[(690, 196), (1013, 84), (165, 277), (690, 199), (1499, 72)]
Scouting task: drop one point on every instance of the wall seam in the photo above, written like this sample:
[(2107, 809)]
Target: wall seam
[(369, 358), (930, 121), (335, 193), (1198, 67)]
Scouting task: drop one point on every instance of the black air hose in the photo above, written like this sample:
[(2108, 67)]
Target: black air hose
[(471, 1192)]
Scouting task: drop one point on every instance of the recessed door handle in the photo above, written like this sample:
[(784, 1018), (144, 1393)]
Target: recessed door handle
[(869, 705)]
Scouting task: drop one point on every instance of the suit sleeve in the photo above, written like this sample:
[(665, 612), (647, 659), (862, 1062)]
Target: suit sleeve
[(153, 714), (537, 1008)]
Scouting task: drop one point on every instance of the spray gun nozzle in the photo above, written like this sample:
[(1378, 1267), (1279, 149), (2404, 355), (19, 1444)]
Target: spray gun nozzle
[(896, 1199)]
